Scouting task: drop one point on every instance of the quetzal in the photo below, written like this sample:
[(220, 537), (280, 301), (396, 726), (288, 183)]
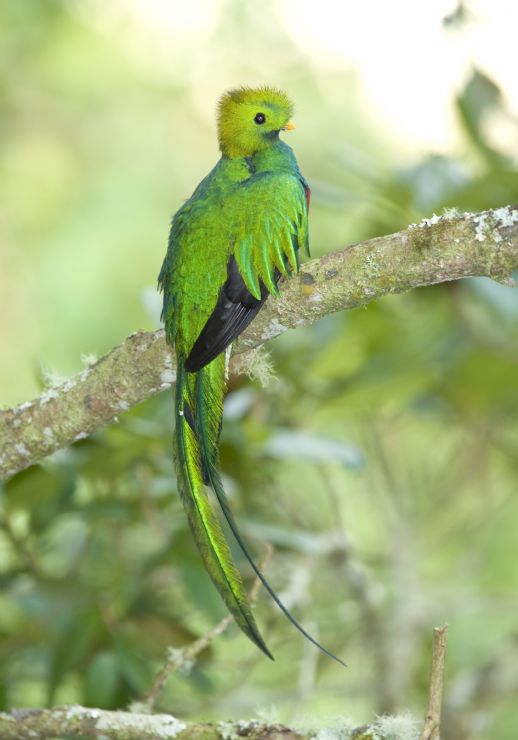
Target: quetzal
[(229, 244)]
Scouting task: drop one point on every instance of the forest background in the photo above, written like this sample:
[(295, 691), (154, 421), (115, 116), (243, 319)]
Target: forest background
[(381, 459)]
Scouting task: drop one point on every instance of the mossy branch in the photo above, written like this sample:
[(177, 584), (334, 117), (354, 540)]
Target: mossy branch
[(82, 722), (439, 249), (76, 721)]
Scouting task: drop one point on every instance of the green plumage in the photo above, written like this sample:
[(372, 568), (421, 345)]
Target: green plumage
[(191, 448), (238, 233), (261, 218)]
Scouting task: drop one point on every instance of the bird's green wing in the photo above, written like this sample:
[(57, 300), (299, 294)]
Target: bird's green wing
[(261, 226), (193, 271), (274, 229)]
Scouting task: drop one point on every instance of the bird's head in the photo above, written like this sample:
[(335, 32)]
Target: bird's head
[(249, 120)]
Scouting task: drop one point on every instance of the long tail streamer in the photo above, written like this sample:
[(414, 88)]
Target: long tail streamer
[(199, 411)]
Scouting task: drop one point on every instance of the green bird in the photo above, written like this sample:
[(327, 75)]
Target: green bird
[(229, 244)]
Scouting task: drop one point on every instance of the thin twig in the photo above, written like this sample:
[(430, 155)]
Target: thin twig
[(363, 589), (20, 545), (178, 659), (432, 722)]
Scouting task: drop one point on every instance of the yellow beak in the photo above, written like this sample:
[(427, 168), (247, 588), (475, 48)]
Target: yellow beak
[(289, 126)]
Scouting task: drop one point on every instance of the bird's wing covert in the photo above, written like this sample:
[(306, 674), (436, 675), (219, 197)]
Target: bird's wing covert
[(269, 225), (272, 228)]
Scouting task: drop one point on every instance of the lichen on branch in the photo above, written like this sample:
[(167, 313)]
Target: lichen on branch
[(82, 722)]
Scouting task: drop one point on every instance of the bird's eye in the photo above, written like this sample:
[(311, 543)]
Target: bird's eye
[(260, 118)]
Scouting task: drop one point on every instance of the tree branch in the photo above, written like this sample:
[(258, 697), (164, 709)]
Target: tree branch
[(436, 250), (83, 722), (432, 722)]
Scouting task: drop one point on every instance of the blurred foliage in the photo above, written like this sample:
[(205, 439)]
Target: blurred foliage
[(381, 462)]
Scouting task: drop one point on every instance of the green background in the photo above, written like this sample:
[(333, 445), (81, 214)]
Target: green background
[(381, 461)]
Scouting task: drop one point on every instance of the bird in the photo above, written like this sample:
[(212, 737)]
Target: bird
[(230, 243)]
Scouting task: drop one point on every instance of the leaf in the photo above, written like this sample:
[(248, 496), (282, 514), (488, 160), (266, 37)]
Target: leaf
[(71, 648), (480, 96), (298, 540), (37, 489), (294, 443), (132, 666), (101, 680)]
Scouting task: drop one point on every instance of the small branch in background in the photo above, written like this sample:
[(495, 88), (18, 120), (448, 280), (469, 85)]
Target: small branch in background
[(178, 659), (308, 668), (432, 722), (439, 249), (404, 617), (365, 592), (184, 658), (20, 546)]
